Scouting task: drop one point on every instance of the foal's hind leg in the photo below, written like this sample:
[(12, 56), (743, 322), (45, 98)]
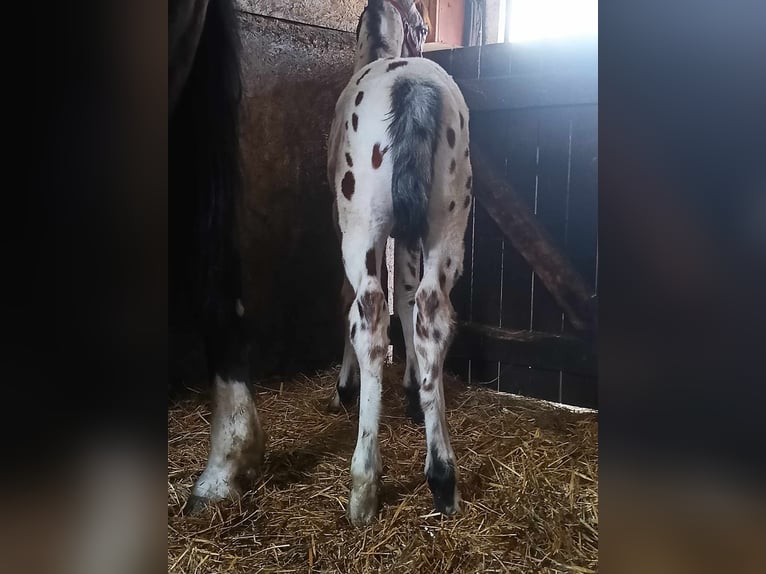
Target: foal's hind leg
[(368, 320), (407, 264), (443, 250), (347, 388), (433, 327)]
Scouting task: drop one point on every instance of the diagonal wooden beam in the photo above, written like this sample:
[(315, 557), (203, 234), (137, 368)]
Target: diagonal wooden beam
[(531, 240)]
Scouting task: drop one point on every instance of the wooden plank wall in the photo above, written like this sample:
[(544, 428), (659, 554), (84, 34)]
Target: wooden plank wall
[(534, 112)]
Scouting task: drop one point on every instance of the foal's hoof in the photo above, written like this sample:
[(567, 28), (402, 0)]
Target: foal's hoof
[(448, 508), (363, 504), (195, 505), (443, 484)]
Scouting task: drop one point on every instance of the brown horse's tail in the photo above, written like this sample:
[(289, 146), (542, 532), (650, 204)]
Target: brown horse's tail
[(205, 177)]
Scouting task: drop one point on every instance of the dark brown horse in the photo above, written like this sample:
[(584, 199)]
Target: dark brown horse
[(204, 94)]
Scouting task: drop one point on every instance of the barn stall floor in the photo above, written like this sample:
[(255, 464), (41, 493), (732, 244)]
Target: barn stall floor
[(528, 477)]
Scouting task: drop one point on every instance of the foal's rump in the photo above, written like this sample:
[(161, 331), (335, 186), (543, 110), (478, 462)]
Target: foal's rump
[(388, 125)]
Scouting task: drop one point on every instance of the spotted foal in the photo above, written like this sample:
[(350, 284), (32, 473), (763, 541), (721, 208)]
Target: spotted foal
[(399, 164)]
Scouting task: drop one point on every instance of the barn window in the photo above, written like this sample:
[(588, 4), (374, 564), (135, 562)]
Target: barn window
[(530, 20)]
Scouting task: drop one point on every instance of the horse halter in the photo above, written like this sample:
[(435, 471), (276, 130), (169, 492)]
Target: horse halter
[(414, 35)]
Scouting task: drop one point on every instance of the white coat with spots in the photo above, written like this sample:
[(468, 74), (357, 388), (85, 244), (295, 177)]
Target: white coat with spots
[(399, 165)]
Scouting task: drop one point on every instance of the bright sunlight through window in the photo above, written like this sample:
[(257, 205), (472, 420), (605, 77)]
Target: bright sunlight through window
[(548, 19)]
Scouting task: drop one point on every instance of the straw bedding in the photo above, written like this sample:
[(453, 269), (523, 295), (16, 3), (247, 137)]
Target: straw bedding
[(528, 478)]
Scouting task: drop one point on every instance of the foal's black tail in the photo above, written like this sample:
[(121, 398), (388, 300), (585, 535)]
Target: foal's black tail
[(205, 177), (414, 130)]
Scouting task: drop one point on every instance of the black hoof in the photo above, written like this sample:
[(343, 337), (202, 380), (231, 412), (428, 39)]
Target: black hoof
[(441, 481), (413, 409), (195, 505), (446, 508)]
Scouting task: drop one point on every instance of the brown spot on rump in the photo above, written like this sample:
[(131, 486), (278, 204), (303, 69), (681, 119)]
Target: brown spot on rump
[(394, 65), (369, 261), (462, 121), (451, 137), (452, 166), (348, 160), (358, 99), (347, 185), (367, 71), (377, 157), (467, 201), (451, 205), (354, 121)]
